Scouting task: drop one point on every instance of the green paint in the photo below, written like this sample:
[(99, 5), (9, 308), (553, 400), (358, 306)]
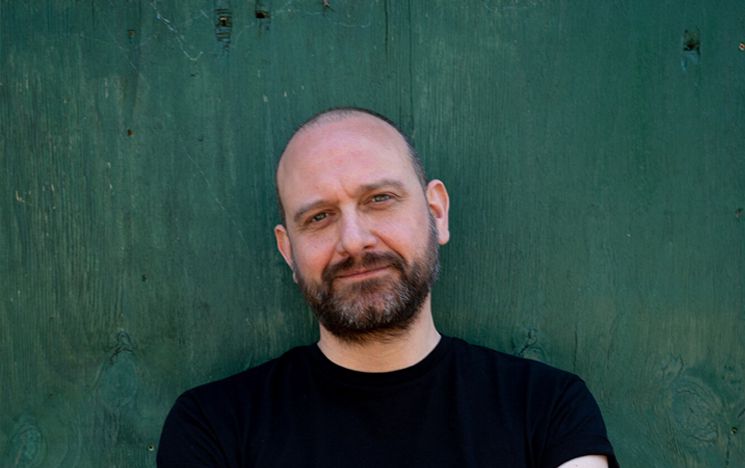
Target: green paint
[(594, 159)]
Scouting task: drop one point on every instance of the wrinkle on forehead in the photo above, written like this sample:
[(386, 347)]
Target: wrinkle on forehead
[(324, 142)]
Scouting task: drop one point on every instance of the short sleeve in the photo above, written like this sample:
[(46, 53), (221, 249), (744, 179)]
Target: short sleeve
[(576, 428), (187, 440)]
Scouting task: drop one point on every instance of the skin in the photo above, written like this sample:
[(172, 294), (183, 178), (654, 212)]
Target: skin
[(348, 187), (589, 461)]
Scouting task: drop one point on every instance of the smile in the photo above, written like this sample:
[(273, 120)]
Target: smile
[(360, 274)]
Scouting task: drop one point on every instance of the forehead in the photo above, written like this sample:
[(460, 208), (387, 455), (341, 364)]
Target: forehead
[(341, 153)]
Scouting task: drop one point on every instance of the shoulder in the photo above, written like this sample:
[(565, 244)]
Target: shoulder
[(555, 406), (211, 420), (254, 381), (517, 370), (524, 386)]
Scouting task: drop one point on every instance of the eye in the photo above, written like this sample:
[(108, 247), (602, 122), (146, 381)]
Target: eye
[(317, 218), (380, 198)]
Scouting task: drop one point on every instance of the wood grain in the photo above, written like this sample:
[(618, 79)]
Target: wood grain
[(592, 151)]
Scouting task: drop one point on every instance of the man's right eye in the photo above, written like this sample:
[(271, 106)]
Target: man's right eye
[(317, 218)]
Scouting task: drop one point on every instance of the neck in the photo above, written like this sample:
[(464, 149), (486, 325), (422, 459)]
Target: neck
[(387, 353)]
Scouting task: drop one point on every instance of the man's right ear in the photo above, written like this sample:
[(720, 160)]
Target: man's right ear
[(285, 247)]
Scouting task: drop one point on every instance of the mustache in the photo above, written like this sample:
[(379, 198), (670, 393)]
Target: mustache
[(369, 260)]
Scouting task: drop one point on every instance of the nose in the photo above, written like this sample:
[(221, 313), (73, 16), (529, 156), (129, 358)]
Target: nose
[(355, 235)]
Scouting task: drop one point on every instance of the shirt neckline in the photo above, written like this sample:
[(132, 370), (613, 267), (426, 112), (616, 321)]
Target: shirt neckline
[(334, 373)]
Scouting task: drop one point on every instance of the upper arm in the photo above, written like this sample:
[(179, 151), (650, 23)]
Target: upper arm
[(576, 431), (589, 461), (187, 438)]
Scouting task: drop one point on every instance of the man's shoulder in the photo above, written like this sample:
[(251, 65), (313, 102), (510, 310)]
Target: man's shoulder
[(255, 380), (516, 369), (216, 416)]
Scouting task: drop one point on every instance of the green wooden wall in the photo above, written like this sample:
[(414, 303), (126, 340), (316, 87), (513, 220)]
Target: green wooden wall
[(594, 153)]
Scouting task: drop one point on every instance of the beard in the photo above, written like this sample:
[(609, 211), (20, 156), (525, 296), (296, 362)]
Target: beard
[(375, 308)]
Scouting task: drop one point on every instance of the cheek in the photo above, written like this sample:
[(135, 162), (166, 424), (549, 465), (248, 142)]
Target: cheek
[(311, 257), (406, 235)]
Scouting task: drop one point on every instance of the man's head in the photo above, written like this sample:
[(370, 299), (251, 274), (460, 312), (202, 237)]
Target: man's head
[(338, 113), (361, 226)]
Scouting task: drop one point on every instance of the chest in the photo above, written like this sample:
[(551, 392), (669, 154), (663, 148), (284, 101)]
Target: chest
[(432, 424)]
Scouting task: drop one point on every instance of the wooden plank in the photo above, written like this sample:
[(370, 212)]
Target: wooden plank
[(592, 152)]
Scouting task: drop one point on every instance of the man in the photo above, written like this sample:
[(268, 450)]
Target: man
[(361, 232)]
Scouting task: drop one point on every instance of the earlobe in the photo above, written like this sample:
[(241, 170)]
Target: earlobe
[(439, 205), (284, 246)]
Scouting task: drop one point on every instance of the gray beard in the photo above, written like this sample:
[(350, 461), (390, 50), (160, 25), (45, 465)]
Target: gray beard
[(376, 308)]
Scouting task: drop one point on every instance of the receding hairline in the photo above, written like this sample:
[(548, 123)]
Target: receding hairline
[(337, 114)]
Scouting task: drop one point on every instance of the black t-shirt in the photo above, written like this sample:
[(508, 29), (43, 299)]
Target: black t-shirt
[(461, 406)]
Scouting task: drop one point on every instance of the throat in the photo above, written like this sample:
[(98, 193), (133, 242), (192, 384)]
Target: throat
[(387, 352)]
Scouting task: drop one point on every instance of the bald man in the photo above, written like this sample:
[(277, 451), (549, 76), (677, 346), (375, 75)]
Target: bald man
[(361, 233)]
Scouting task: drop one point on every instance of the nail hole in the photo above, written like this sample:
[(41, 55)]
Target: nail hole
[(691, 41), (734, 430), (742, 46), (262, 14), (151, 448), (130, 132)]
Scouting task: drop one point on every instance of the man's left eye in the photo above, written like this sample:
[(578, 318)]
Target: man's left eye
[(380, 198)]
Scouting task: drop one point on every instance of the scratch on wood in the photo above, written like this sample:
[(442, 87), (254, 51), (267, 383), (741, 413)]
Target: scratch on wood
[(526, 346), (212, 192), (179, 36), (287, 8)]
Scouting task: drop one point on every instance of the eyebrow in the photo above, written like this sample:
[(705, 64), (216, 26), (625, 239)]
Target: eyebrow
[(362, 189)]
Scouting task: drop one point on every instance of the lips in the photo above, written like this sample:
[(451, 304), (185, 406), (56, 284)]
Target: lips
[(369, 265), (361, 272)]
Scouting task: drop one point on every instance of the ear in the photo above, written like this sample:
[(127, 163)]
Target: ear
[(285, 247), (439, 204)]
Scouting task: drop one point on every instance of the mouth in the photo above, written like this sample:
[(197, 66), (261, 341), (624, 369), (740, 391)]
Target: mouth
[(371, 266), (362, 273)]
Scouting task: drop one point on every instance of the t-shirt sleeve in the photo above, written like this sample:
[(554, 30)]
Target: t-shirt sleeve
[(187, 440), (576, 428)]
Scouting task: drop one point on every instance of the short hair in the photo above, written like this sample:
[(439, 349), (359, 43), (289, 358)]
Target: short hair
[(336, 114)]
